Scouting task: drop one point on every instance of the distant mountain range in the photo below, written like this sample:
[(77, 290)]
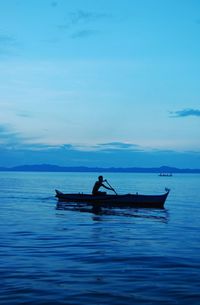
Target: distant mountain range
[(56, 168)]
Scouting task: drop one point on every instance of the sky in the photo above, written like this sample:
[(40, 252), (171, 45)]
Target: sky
[(100, 83)]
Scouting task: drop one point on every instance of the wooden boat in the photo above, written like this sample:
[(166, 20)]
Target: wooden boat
[(127, 200)]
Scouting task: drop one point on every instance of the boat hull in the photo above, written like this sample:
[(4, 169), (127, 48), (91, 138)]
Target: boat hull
[(128, 200)]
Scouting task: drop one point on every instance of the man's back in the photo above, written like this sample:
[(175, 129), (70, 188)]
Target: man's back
[(96, 187)]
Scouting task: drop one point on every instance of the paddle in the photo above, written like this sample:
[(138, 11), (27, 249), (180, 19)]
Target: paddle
[(110, 186)]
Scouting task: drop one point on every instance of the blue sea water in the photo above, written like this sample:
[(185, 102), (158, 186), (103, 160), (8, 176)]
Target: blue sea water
[(120, 256)]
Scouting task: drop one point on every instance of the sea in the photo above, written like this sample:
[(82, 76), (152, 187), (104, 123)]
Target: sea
[(54, 254)]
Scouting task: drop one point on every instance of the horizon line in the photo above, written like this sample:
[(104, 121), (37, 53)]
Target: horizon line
[(57, 168)]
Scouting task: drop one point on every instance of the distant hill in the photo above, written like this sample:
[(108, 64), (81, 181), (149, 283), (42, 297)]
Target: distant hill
[(56, 168)]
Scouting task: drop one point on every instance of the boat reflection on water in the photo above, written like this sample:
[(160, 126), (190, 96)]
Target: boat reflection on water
[(150, 213)]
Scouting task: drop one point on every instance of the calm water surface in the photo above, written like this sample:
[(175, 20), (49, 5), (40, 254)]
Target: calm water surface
[(70, 256)]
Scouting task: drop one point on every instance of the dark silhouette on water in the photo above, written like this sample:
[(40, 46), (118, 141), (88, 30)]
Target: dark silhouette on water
[(165, 174), (98, 184), (104, 200)]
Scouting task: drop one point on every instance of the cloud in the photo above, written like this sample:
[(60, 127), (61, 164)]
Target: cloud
[(25, 115), (5, 39), (54, 3), (81, 17), (12, 139), (83, 34), (8, 137), (186, 112), (7, 42), (78, 23), (70, 155), (117, 146), (108, 147), (3, 129)]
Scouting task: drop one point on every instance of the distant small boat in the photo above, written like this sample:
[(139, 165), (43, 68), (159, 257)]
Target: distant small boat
[(128, 200), (165, 175)]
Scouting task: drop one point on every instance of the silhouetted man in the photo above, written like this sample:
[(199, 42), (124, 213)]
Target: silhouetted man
[(97, 185)]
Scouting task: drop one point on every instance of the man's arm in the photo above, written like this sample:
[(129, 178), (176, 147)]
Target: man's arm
[(106, 187)]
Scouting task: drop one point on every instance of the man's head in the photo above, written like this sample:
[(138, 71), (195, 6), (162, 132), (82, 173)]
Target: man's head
[(100, 178)]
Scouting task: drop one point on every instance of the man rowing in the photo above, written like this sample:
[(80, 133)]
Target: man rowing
[(98, 184)]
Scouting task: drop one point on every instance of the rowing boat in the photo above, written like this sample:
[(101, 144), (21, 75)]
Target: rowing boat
[(127, 200)]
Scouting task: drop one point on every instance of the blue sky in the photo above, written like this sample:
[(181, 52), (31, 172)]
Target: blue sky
[(100, 83)]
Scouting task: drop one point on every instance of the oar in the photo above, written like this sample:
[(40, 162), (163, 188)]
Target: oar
[(111, 187)]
